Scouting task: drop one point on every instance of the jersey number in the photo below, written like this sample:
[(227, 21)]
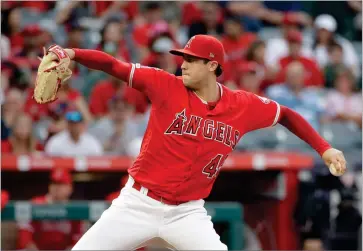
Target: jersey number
[(212, 168)]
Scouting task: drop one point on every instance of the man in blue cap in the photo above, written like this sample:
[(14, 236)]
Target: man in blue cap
[(74, 141)]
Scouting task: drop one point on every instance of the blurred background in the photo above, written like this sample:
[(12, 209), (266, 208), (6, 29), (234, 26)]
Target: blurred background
[(62, 163)]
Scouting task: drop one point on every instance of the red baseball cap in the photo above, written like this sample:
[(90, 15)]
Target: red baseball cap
[(203, 46), (32, 30), (294, 36), (61, 175), (248, 66)]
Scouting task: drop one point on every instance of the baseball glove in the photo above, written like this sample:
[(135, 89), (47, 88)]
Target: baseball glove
[(51, 74)]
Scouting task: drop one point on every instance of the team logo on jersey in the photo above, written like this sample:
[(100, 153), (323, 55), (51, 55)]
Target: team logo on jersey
[(210, 129), (178, 124)]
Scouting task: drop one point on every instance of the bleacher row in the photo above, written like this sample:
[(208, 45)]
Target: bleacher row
[(343, 136)]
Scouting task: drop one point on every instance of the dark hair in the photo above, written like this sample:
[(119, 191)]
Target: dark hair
[(104, 28), (316, 42), (251, 50), (217, 71), (150, 6)]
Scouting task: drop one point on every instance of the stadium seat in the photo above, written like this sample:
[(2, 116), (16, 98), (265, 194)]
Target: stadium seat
[(354, 159), (342, 136), (287, 141), (260, 139)]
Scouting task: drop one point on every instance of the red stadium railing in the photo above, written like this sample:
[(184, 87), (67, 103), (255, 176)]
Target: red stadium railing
[(240, 161)]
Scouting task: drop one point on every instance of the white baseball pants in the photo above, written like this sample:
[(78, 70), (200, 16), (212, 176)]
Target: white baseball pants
[(134, 220)]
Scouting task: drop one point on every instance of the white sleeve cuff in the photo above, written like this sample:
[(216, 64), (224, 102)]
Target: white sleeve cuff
[(277, 114)]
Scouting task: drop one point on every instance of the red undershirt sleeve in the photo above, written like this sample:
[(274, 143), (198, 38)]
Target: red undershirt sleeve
[(155, 83), (98, 60)]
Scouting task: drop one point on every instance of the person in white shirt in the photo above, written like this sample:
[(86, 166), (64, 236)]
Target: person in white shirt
[(73, 141), (325, 26), (343, 104), (277, 47), (118, 129)]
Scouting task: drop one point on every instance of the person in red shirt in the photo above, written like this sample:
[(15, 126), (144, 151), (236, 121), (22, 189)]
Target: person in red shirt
[(313, 74), (250, 77), (113, 41), (195, 124), (51, 235), (105, 9), (152, 16), (256, 53), (105, 90), (236, 41), (21, 141)]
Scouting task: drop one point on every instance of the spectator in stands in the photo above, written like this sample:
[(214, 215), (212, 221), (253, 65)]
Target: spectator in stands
[(21, 141), (159, 56), (73, 100), (277, 48), (116, 131), (256, 53), (73, 141), (343, 103), (11, 28), (75, 35), (33, 42), (255, 12), (106, 9), (105, 90), (5, 47), (292, 93), (335, 51), (247, 75), (152, 16), (12, 107), (51, 235), (313, 75), (235, 40), (250, 77), (113, 41), (325, 28), (211, 22), (191, 11)]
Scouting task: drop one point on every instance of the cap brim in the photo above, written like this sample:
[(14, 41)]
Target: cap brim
[(182, 52)]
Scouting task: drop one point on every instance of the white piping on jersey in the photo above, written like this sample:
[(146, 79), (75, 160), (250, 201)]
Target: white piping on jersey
[(205, 102), (277, 114), (131, 74)]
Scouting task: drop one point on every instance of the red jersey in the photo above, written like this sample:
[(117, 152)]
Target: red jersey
[(105, 90), (7, 147), (313, 75), (236, 49), (186, 143), (49, 235)]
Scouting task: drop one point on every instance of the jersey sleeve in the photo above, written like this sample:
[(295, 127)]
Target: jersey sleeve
[(153, 82), (260, 112)]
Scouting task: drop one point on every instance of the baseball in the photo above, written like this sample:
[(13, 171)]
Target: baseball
[(334, 171)]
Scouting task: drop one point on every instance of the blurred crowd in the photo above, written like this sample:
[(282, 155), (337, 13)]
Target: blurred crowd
[(305, 55), (302, 55)]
